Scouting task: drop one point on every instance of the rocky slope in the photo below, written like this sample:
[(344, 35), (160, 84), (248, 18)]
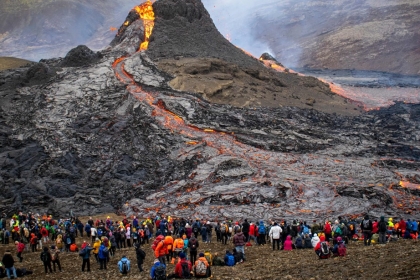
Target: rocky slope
[(111, 134)]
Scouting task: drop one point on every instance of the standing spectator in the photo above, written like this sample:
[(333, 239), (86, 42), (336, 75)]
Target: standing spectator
[(245, 229), (55, 258), (46, 259), (239, 241), (140, 255), (261, 233), (9, 263), (193, 246), (274, 234), (19, 248), (96, 246), (382, 228), (85, 254), (102, 256), (366, 226), (93, 233)]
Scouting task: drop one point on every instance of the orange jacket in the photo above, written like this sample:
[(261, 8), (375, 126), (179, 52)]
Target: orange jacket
[(178, 243), (203, 259), (161, 249)]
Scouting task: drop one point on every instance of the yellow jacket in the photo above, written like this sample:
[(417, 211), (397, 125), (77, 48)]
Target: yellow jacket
[(96, 246)]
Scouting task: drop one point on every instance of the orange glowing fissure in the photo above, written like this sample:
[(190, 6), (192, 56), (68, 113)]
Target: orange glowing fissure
[(147, 14)]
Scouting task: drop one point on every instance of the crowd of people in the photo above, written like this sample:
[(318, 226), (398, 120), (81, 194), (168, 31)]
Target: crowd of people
[(176, 241)]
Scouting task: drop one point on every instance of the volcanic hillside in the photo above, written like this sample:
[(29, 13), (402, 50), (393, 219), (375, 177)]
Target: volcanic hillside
[(135, 131)]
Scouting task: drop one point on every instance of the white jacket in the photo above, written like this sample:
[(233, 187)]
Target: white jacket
[(275, 232), (314, 241)]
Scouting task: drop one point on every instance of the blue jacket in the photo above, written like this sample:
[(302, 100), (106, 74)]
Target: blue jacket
[(120, 263), (152, 270), (101, 253), (414, 226), (87, 255)]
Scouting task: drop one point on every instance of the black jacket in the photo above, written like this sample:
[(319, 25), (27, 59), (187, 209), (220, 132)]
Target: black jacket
[(8, 260)]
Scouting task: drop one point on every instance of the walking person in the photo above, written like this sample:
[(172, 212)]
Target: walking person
[(102, 256), (19, 248), (140, 255)]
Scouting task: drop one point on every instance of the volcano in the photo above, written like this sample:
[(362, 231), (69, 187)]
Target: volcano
[(172, 118)]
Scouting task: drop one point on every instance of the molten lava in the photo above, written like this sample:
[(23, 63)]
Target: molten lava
[(147, 14)]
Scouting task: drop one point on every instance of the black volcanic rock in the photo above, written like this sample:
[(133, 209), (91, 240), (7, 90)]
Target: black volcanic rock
[(80, 56)]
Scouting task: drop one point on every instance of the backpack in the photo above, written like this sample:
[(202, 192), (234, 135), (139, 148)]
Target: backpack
[(325, 249), (99, 232), (226, 228), (185, 270), (68, 240), (261, 229), (200, 268), (45, 257), (160, 273), (156, 242), (124, 267), (82, 252), (193, 244), (305, 230), (208, 257), (21, 247), (195, 229), (342, 250), (230, 260), (366, 224)]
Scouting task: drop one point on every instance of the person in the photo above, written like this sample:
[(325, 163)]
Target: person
[(315, 239), (19, 248), (245, 229), (9, 263), (339, 248), (322, 249), (140, 255), (169, 242), (158, 271), (366, 226), (161, 249), (85, 254), (239, 241), (193, 246), (307, 242), (183, 268), (217, 261), (274, 234), (102, 256), (261, 233), (382, 229), (124, 265), (46, 259), (288, 244), (299, 242), (178, 245), (239, 257), (229, 259), (201, 267), (55, 258), (96, 246)]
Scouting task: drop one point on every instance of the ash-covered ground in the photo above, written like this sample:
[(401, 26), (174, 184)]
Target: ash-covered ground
[(115, 134)]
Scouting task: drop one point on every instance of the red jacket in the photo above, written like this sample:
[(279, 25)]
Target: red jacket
[(178, 267), (44, 232), (318, 246)]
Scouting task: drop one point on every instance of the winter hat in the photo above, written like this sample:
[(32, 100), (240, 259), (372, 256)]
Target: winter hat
[(315, 234), (16, 242), (156, 261), (182, 255), (45, 248), (201, 255)]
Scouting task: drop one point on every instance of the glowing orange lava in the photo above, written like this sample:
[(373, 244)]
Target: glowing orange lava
[(147, 14)]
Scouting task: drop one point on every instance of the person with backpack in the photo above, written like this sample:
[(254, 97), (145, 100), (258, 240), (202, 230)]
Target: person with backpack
[(229, 259), (299, 242), (193, 246), (366, 226), (19, 248), (382, 229), (201, 267), (261, 233), (158, 271), (224, 229), (55, 259), (124, 265), (140, 255), (183, 268), (46, 259), (339, 249), (160, 248), (307, 242), (103, 256), (178, 245), (322, 249), (196, 228)]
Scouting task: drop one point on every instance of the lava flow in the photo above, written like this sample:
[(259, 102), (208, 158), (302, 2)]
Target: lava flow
[(146, 13), (301, 176)]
